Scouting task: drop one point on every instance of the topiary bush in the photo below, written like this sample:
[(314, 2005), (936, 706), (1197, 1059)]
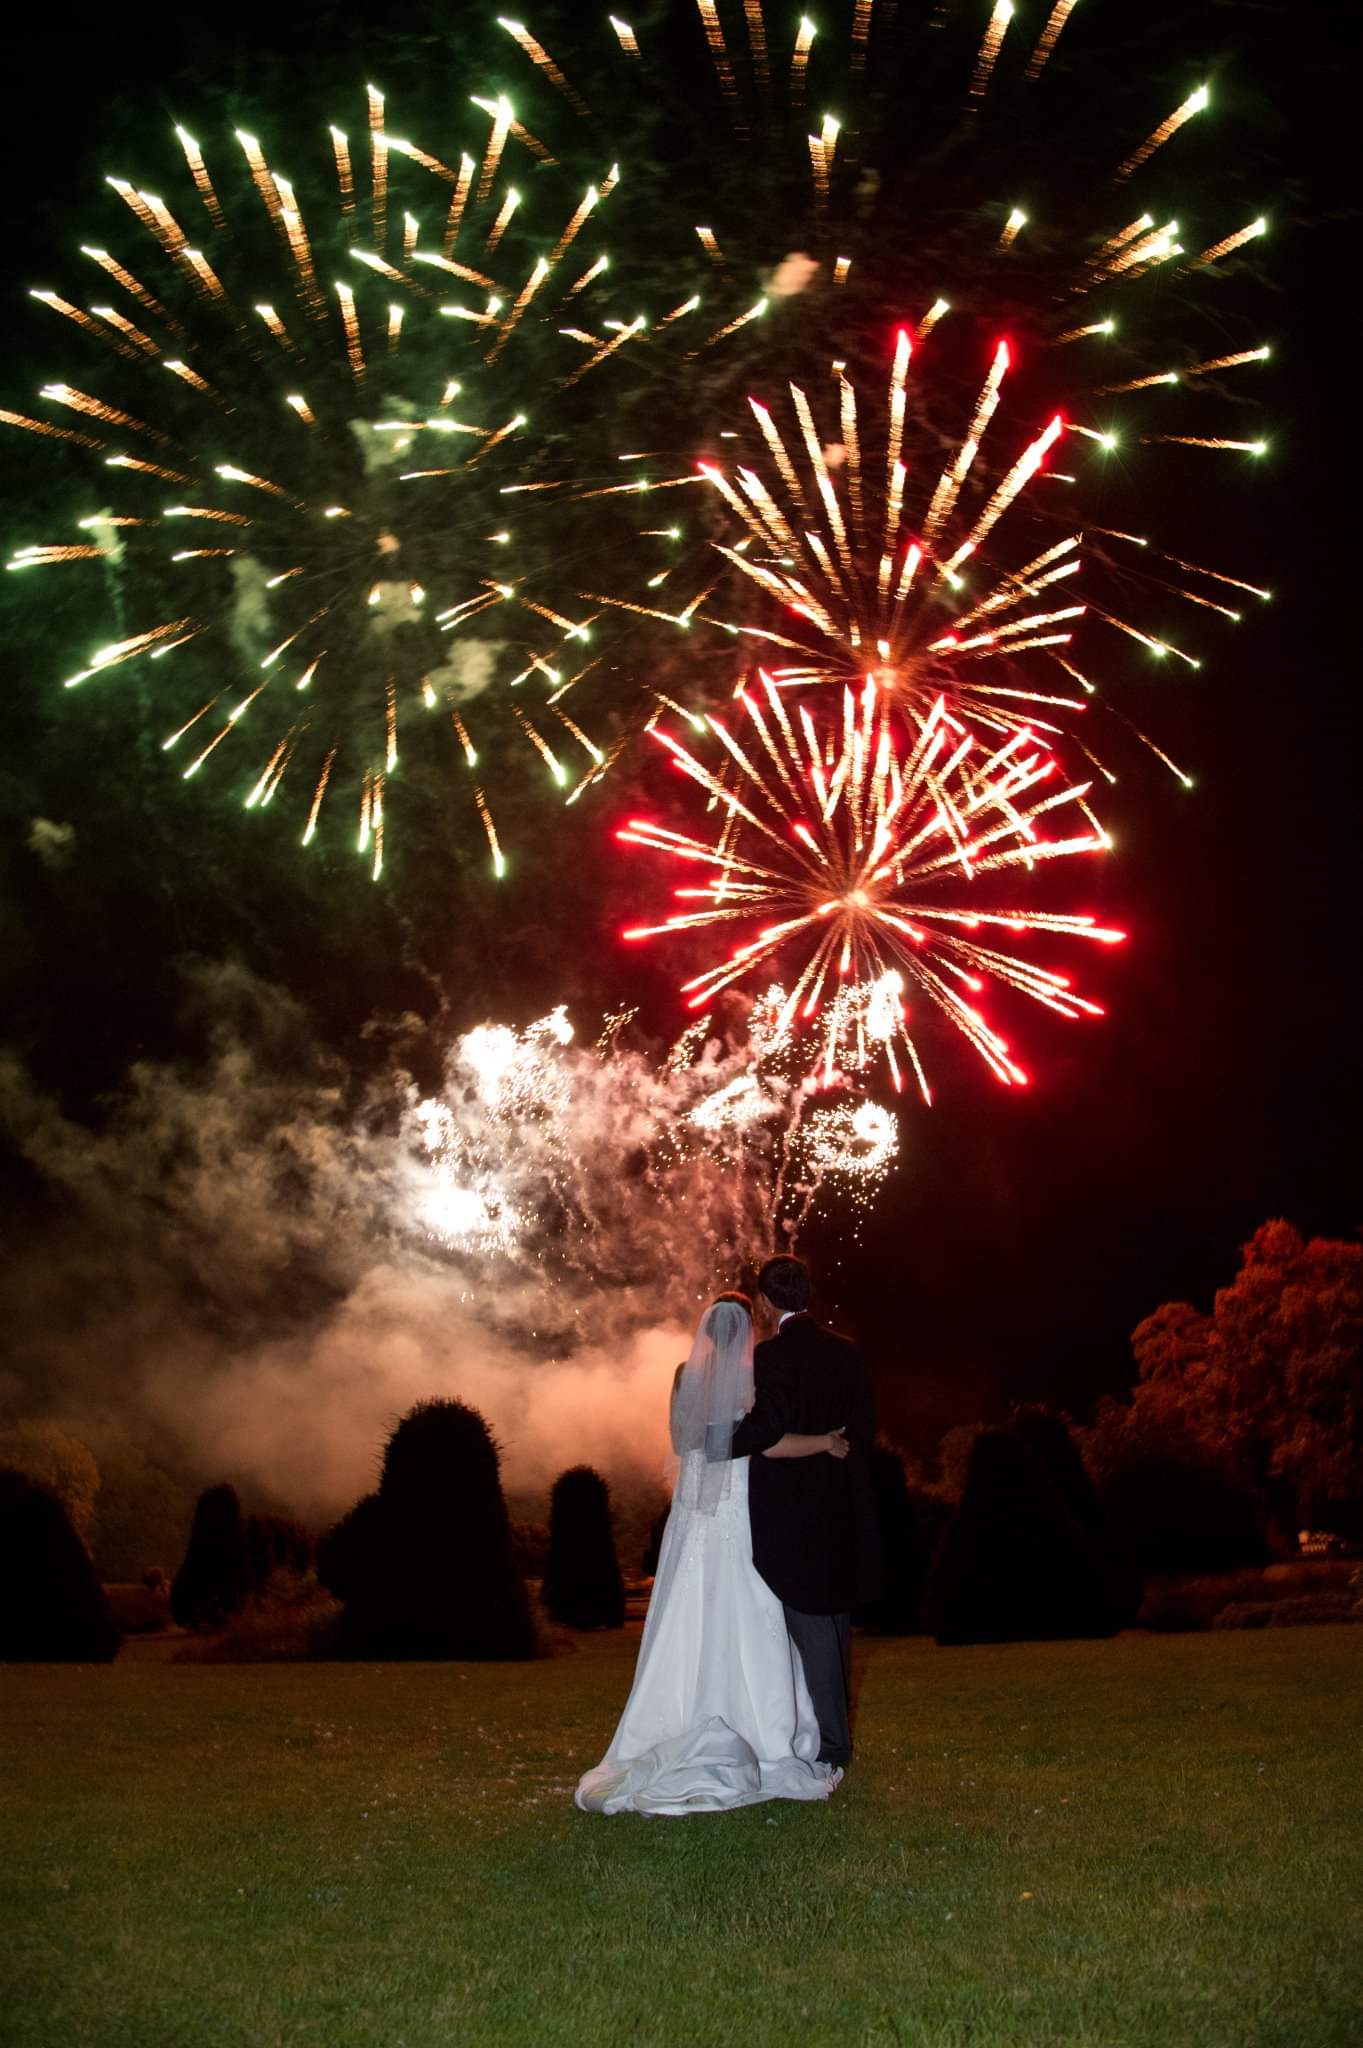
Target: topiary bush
[(1048, 1439), (1015, 1566), (274, 1543), (582, 1584), (339, 1552), (52, 1606), (50, 1454), (898, 1611), (433, 1575), (215, 1577)]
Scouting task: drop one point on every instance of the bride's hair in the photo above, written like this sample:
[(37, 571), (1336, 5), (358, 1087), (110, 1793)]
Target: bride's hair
[(732, 1294), (712, 1390)]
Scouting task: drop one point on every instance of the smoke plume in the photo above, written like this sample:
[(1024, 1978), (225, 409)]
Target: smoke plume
[(256, 1262)]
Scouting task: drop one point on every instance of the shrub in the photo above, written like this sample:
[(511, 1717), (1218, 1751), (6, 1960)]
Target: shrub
[(1307, 1611), (898, 1611), (138, 1610), (1054, 1449), (340, 1551), (1174, 1606), (1179, 1509), (144, 1510), (1014, 1564), (215, 1577), (953, 1460), (582, 1584), (433, 1573), (635, 1507), (271, 1631), (52, 1606), (51, 1455), (274, 1543)]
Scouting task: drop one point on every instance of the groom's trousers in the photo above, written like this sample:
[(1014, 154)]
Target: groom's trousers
[(824, 1644)]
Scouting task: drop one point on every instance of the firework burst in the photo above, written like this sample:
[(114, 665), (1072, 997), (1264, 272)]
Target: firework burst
[(547, 1157), (335, 421), (306, 419), (937, 589), (952, 533), (872, 849)]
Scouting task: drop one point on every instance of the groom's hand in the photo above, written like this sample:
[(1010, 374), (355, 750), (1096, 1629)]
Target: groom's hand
[(837, 1445)]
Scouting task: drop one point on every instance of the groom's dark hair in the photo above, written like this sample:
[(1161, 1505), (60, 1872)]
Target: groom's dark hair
[(785, 1282)]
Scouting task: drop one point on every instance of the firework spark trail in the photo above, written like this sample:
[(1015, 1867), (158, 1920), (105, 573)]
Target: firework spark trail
[(887, 614), (539, 1149), (359, 568), (862, 603), (867, 572), (884, 625), (855, 851), (989, 51), (1049, 37)]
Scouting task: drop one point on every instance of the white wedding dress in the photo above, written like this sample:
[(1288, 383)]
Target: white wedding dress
[(719, 1714)]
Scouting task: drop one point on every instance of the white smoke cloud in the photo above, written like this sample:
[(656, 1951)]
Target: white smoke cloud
[(305, 1416), (250, 616), (53, 843), (793, 274), (467, 670), (239, 1266)]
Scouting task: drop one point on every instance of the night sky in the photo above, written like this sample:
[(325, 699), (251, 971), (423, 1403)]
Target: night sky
[(1025, 1232)]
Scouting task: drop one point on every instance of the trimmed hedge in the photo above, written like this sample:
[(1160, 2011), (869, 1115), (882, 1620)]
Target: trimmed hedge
[(582, 1584), (53, 1608), (904, 1540), (216, 1577), (275, 1543), (340, 1551), (1015, 1565), (434, 1574)]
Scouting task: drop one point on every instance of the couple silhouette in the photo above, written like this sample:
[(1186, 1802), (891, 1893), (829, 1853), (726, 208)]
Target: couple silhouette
[(741, 1689)]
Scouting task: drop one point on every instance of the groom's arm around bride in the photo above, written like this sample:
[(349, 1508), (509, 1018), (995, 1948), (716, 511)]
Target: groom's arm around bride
[(815, 1531)]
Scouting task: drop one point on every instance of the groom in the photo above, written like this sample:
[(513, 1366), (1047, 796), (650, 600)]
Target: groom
[(815, 1532)]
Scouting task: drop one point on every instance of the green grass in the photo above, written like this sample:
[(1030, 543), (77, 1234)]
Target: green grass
[(1156, 1840)]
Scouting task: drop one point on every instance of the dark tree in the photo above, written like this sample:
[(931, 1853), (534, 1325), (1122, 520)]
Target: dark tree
[(435, 1576), (1050, 1443), (582, 1583), (1269, 1382), (341, 1550), (52, 1606), (898, 1611), (274, 1543), (1015, 1565), (215, 1577), (653, 1549), (1180, 1508)]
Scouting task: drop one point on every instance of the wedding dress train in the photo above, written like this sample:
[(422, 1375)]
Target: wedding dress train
[(719, 1714)]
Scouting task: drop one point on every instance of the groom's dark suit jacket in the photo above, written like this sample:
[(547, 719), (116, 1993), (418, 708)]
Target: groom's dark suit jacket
[(815, 1530)]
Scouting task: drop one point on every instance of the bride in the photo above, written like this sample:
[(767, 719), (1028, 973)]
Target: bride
[(719, 1714)]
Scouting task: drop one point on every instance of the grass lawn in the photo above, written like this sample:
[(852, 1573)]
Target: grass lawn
[(1157, 1840)]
